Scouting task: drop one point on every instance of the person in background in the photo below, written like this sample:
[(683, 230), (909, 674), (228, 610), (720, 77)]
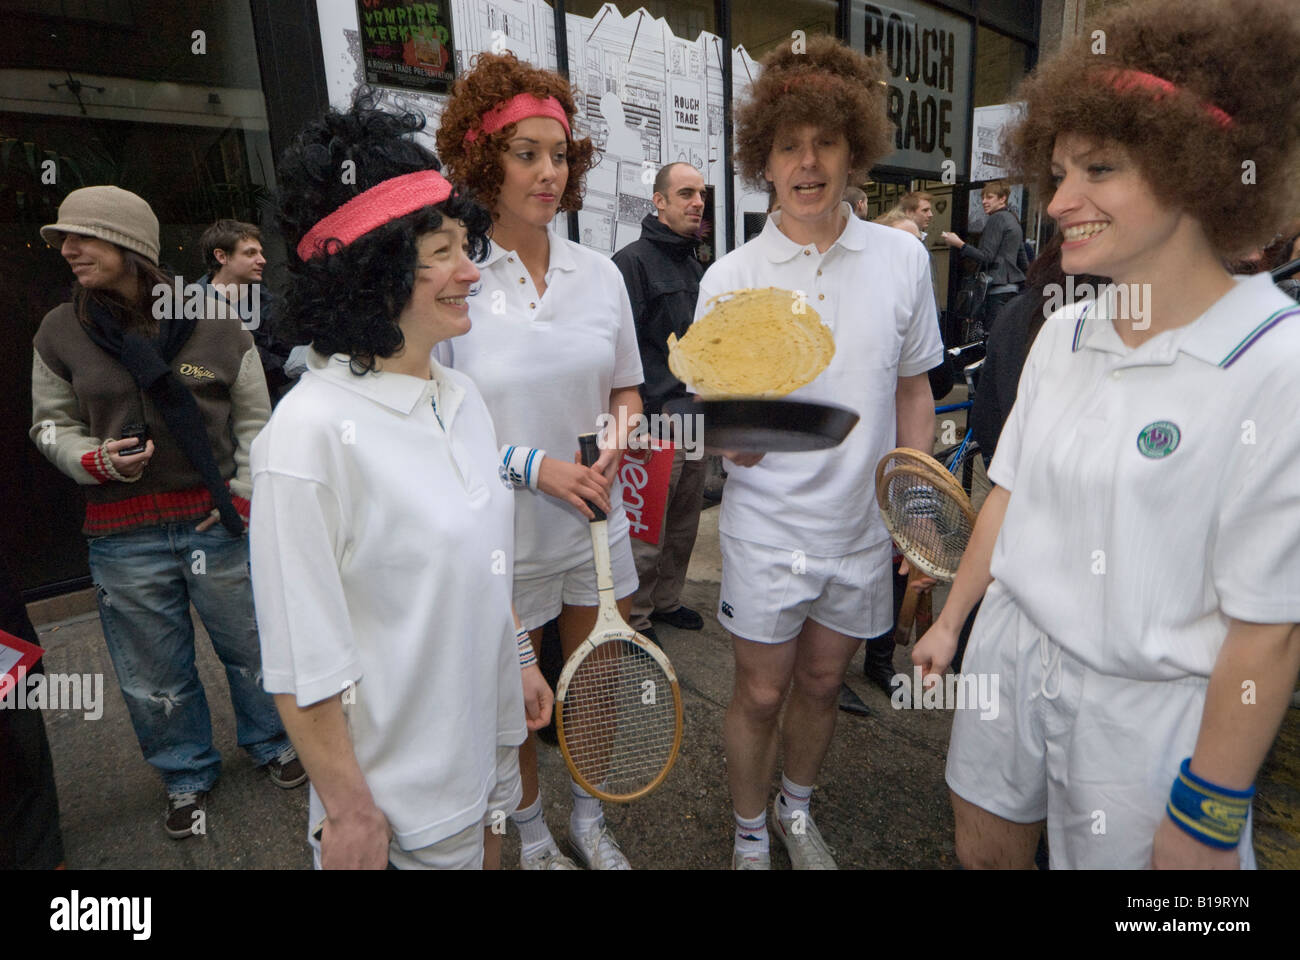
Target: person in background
[(154, 419), (896, 218), (663, 281), (1001, 251), (856, 198), (30, 838), (919, 206), (232, 252)]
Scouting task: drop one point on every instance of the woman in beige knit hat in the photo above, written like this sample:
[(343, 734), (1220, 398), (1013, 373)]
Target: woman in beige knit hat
[(153, 413)]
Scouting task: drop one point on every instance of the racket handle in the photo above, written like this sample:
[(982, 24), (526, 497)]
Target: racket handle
[(924, 613), (589, 449), (907, 615)]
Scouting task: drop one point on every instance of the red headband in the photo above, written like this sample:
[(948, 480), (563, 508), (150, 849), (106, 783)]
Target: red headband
[(381, 204), (1125, 79), (518, 108)]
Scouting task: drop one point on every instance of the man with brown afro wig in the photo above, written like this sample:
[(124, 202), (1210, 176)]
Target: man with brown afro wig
[(806, 558), (1141, 546)]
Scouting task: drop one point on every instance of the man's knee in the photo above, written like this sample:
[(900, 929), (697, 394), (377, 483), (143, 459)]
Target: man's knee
[(821, 685), (758, 699)]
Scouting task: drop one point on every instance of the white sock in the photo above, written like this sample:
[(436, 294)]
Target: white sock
[(534, 834), (794, 799), (751, 835), (587, 811)]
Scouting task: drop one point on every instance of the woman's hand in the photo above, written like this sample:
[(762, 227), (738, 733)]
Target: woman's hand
[(1173, 849), (208, 521), (130, 465), (356, 840), (934, 651), (538, 698), (572, 483), (607, 463), (952, 240)]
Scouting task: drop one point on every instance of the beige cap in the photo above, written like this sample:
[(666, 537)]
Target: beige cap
[(109, 213)]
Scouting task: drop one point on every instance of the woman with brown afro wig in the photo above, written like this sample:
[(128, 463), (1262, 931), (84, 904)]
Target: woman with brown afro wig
[(1141, 547), (553, 350)]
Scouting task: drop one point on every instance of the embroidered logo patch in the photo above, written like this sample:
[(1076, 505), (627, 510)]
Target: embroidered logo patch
[(197, 371), (1158, 439), (504, 475)]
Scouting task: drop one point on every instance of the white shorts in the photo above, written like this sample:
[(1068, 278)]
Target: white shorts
[(1092, 754), (461, 851), (538, 600), (767, 592)]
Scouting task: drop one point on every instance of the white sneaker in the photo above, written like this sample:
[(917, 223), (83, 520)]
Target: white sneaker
[(597, 849), (548, 858), (803, 841), (757, 860)]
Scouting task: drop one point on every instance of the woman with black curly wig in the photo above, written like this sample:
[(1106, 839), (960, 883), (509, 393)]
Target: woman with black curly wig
[(554, 350), (1141, 547), (383, 537)]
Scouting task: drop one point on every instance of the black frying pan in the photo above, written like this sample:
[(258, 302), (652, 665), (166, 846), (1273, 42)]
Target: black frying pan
[(767, 426)]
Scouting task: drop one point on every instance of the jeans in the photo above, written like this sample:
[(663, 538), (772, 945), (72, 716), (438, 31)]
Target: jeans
[(145, 581)]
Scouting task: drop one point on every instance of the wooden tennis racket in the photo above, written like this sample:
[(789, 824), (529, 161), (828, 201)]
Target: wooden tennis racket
[(930, 518), (618, 709)]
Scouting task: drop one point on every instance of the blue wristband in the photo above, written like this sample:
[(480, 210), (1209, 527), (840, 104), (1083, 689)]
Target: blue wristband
[(1214, 815), (522, 465)]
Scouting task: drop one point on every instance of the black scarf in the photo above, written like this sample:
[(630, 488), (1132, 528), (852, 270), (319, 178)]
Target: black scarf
[(149, 363)]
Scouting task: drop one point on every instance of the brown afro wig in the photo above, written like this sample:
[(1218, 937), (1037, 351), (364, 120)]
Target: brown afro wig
[(1239, 57), (494, 79), (827, 85)]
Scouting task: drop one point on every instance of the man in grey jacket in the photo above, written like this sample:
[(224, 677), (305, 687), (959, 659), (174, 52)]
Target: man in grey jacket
[(1001, 250)]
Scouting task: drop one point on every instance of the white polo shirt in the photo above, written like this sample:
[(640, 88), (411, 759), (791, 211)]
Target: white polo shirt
[(381, 543), (545, 366), (872, 288), (1156, 491)]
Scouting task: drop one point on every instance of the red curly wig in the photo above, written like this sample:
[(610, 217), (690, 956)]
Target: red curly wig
[(1236, 67), (496, 78)]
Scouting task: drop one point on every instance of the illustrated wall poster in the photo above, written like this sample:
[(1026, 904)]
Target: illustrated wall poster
[(407, 44)]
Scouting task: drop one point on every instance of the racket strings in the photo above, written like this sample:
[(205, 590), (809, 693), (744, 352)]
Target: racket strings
[(620, 718), (929, 518)]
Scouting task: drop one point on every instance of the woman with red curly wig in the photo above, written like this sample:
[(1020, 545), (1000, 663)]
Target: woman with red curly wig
[(553, 350), (1141, 547)]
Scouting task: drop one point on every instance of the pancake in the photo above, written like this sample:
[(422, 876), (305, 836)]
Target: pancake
[(752, 343)]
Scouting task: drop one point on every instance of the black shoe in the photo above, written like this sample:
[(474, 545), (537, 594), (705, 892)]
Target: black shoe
[(878, 664), (850, 702), (683, 618), (649, 634), (186, 815)]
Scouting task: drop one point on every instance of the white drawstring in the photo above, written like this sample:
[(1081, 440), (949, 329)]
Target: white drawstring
[(1051, 660)]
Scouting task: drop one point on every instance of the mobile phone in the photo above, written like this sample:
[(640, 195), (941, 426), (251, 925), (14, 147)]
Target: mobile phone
[(138, 431)]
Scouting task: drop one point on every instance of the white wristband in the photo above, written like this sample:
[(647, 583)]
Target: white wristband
[(523, 465), (526, 656)]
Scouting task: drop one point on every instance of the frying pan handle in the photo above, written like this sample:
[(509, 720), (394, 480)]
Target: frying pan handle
[(589, 448)]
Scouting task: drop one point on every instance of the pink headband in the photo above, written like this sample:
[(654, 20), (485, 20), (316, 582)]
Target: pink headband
[(518, 108), (381, 204), (1124, 79)]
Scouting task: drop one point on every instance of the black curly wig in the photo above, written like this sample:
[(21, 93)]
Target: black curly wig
[(348, 301)]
